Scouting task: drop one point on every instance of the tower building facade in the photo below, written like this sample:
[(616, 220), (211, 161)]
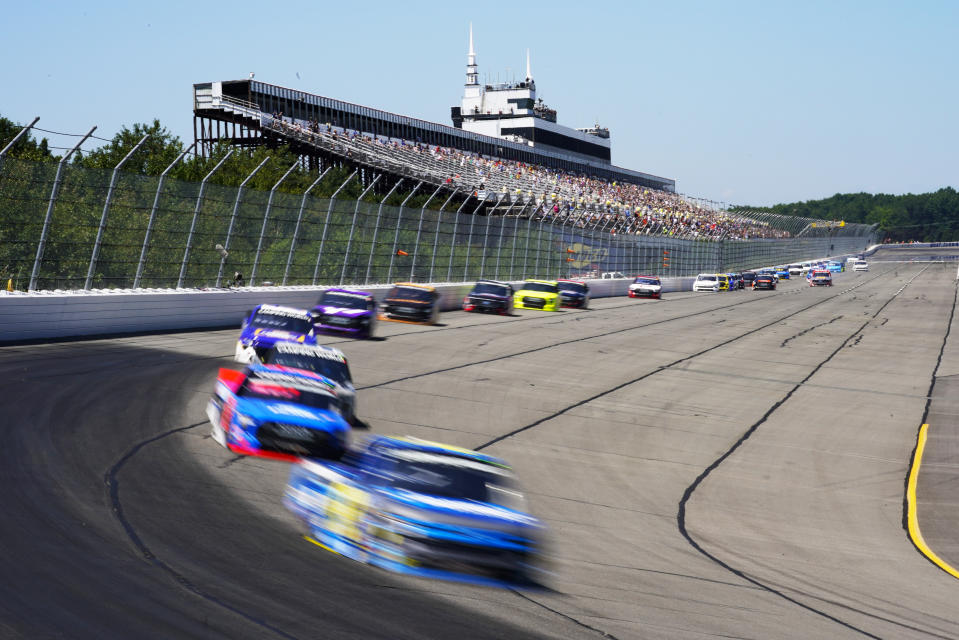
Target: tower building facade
[(511, 111)]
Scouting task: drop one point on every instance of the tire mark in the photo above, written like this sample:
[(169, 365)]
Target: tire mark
[(563, 615), (925, 417), (805, 331), (688, 493), (645, 375), (690, 490), (113, 483), (609, 333)]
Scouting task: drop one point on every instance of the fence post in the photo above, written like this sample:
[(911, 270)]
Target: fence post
[(266, 216), (502, 228), (539, 246), (299, 218), (196, 214), (548, 257), (592, 252), (529, 232), (229, 230), (153, 213), (396, 236), (46, 220), (436, 234), (23, 132), (419, 230), (489, 218), (326, 224), (376, 229), (95, 254), (456, 220), (512, 254), (356, 211), (469, 240)]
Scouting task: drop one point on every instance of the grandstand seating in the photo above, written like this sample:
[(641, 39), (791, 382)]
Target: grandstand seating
[(523, 189)]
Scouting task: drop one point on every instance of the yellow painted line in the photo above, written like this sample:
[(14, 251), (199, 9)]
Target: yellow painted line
[(320, 544), (913, 519)]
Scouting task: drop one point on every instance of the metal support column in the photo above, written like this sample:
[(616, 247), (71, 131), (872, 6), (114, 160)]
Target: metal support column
[(46, 220), (469, 241), (512, 255), (196, 214), (326, 225), (153, 215), (419, 231), (529, 232), (502, 228), (95, 254), (489, 217), (266, 217), (376, 230), (356, 212), (456, 220), (396, 235), (436, 234), (539, 246), (229, 230), (299, 219)]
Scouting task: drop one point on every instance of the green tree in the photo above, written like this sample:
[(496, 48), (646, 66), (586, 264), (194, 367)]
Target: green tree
[(26, 148), (158, 151), (927, 217)]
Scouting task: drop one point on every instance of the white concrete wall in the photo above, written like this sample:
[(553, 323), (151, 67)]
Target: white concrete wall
[(46, 315)]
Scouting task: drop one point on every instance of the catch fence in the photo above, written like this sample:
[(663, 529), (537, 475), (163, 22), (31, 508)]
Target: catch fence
[(63, 226)]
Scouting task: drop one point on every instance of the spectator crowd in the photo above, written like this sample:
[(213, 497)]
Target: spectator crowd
[(554, 195)]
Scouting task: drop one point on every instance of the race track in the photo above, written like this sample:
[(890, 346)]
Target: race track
[(727, 465)]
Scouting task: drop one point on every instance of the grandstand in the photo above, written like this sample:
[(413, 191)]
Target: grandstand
[(566, 177), (507, 186), (234, 110)]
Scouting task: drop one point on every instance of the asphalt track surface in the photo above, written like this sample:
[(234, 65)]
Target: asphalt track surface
[(726, 465)]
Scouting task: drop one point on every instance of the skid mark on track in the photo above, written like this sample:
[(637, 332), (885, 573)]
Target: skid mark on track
[(563, 615), (230, 462), (111, 478), (543, 348), (691, 489), (910, 516), (651, 373), (681, 517), (805, 331), (617, 331)]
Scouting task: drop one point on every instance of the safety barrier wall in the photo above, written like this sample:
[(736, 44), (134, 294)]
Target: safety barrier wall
[(48, 316)]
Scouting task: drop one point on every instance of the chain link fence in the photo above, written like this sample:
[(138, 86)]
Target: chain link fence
[(164, 233)]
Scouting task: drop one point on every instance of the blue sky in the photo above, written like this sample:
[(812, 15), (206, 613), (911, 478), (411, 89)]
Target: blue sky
[(741, 102)]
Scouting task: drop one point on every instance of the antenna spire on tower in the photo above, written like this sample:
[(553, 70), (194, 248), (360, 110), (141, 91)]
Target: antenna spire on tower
[(529, 74), (471, 75)]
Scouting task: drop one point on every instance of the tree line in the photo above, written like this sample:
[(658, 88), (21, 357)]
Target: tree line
[(925, 217)]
